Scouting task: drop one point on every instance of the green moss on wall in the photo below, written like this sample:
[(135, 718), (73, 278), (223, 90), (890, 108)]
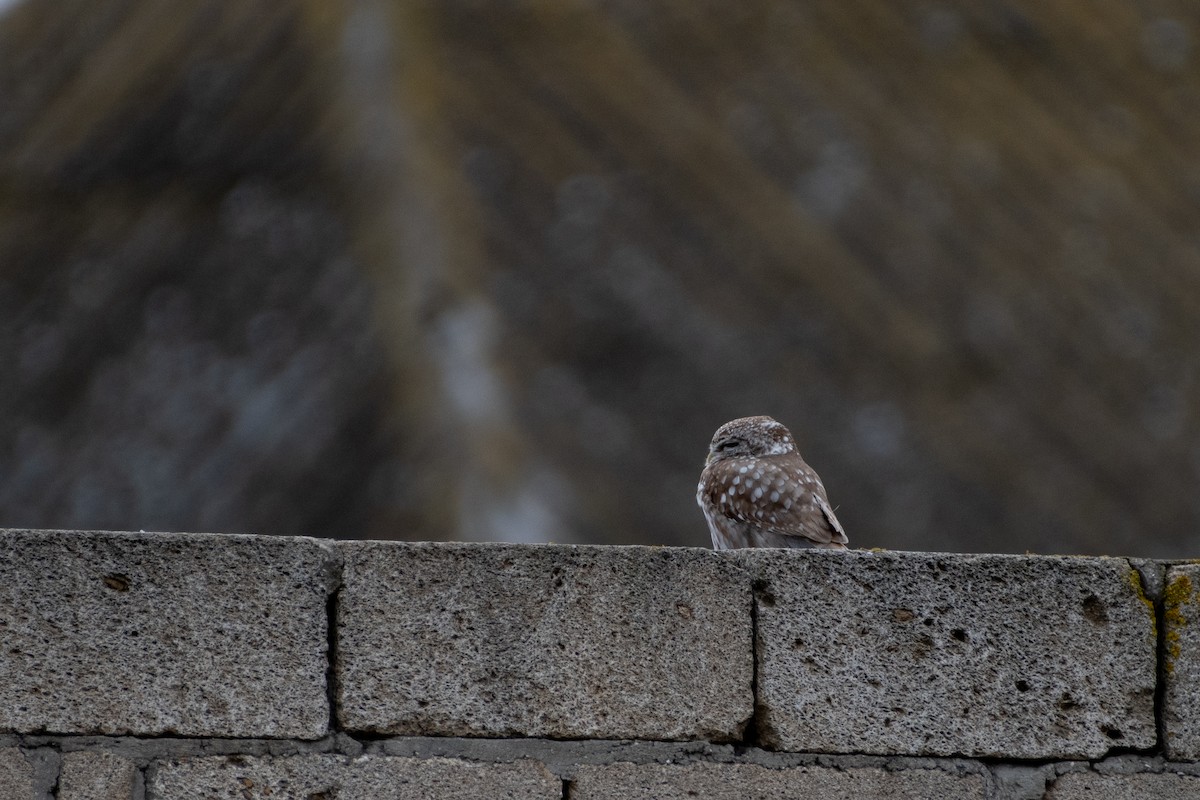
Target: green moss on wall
[(1178, 593)]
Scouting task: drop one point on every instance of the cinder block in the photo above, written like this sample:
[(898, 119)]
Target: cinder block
[(936, 654), (743, 781), (16, 774), (151, 634), (1090, 786), (1181, 701), (96, 776), (366, 778), (560, 642)]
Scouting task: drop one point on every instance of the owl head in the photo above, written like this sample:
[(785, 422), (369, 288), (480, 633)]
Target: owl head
[(750, 437)]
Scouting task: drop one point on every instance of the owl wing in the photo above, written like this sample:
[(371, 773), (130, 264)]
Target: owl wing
[(839, 534), (779, 494)]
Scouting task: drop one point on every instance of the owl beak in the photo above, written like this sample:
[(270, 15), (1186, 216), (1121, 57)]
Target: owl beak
[(710, 458)]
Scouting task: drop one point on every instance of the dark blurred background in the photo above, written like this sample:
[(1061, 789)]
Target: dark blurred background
[(497, 270)]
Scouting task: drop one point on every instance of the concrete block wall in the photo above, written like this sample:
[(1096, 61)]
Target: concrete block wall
[(140, 666)]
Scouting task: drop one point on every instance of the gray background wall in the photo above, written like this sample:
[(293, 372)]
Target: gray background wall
[(164, 666), (497, 270)]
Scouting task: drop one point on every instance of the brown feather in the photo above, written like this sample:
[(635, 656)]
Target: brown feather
[(763, 498)]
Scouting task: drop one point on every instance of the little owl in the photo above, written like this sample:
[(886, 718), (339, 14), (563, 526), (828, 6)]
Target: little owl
[(756, 491)]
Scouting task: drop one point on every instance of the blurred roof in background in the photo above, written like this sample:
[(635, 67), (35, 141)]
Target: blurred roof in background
[(498, 270)]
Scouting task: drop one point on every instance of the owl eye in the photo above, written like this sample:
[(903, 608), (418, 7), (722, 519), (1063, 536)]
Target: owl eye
[(728, 444)]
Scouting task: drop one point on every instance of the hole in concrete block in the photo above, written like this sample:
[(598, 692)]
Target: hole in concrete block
[(1094, 610), (1066, 702), (117, 582), (762, 592), (1022, 686)]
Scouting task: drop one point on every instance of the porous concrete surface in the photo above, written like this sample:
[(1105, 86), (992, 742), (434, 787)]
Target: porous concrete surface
[(1021, 781), (16, 774), (554, 641), (752, 782), (563, 757), (151, 634), (96, 776), (1092, 786), (1020, 657), (364, 778), (1181, 665)]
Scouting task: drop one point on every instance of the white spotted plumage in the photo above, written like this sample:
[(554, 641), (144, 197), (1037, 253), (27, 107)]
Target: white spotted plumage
[(756, 491)]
